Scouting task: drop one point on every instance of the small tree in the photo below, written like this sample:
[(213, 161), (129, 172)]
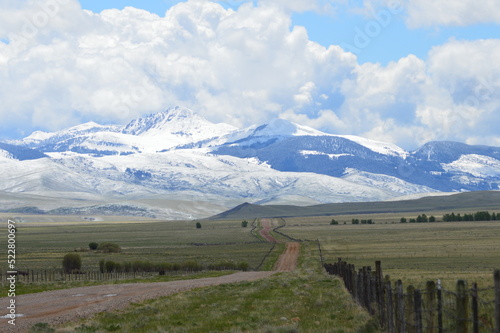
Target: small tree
[(198, 225), (244, 224), (72, 262), (403, 220), (109, 247), (334, 222), (93, 245)]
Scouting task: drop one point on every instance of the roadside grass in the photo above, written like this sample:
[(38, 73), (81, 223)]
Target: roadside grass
[(306, 300)]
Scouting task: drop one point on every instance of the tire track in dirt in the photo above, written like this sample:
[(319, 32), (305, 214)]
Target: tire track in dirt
[(287, 261)]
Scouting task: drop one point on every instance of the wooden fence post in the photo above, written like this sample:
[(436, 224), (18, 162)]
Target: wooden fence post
[(389, 305), (440, 306), (462, 305), (497, 301), (380, 292), (410, 309), (475, 308), (400, 308), (430, 299), (418, 311)]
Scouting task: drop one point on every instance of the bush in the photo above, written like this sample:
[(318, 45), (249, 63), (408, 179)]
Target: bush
[(102, 263), (334, 222), (109, 248), (191, 266), (41, 328), (243, 266), (72, 262), (198, 225), (93, 246), (110, 266), (244, 224)]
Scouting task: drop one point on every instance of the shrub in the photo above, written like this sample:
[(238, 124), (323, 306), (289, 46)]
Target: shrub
[(41, 328), (198, 225), (110, 266), (109, 247), (93, 246), (102, 263), (243, 266), (191, 266), (244, 224), (334, 222), (72, 262)]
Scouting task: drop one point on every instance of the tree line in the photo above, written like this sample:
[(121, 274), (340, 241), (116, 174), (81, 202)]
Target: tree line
[(452, 217)]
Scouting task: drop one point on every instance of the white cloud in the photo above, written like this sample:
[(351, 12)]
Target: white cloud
[(424, 13), (240, 66)]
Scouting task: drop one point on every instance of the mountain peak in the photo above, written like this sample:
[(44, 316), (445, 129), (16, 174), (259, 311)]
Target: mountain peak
[(172, 117), (283, 127)]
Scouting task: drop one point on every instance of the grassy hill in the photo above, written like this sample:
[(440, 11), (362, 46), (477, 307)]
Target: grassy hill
[(482, 200)]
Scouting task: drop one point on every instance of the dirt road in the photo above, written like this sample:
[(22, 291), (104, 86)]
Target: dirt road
[(267, 227), (287, 261), (60, 306)]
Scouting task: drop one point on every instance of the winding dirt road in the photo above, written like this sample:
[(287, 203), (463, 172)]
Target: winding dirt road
[(61, 306), (287, 262)]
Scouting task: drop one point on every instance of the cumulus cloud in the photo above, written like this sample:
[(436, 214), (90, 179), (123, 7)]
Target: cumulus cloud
[(425, 13), (436, 13), (242, 66)]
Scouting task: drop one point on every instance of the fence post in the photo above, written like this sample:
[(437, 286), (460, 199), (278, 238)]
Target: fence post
[(418, 311), (497, 301), (475, 308), (400, 308), (410, 309), (440, 306), (431, 306), (380, 292), (462, 307), (390, 305)]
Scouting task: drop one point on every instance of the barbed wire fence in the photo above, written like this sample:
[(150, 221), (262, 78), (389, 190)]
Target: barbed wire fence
[(432, 309)]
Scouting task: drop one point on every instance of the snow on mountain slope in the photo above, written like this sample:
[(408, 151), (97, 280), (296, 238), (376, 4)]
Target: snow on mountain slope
[(39, 139), (389, 183), (5, 156), (197, 172), (161, 131), (476, 165), (44, 176), (378, 147), (279, 129)]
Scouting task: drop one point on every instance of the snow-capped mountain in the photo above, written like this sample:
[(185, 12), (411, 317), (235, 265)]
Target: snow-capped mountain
[(180, 165), (157, 132)]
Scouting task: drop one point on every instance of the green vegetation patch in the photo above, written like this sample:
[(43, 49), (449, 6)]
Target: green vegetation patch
[(289, 302)]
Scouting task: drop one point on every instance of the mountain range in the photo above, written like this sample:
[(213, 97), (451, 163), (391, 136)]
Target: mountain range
[(178, 165)]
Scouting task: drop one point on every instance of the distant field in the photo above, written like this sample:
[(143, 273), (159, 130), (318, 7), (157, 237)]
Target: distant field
[(41, 246), (411, 252)]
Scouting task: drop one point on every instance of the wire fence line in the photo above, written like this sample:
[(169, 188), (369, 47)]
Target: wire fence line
[(432, 309)]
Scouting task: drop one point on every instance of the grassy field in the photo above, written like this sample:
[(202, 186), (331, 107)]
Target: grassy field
[(42, 246), (414, 253)]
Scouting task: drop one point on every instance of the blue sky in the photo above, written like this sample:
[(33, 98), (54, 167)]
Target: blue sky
[(399, 71)]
